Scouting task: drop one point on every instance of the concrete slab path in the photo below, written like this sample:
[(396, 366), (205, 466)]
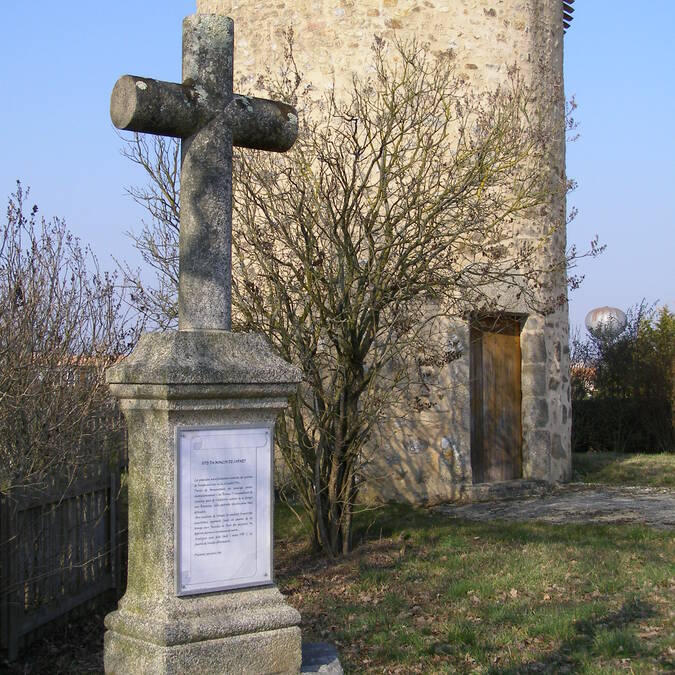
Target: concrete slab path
[(579, 503)]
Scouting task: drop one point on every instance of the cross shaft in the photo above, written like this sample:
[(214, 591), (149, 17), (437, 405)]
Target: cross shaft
[(209, 119)]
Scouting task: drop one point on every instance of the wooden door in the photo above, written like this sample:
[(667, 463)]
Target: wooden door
[(496, 435)]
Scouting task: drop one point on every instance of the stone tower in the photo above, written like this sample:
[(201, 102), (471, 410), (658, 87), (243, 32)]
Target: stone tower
[(440, 453)]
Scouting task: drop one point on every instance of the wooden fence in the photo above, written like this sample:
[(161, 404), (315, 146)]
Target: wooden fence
[(60, 546)]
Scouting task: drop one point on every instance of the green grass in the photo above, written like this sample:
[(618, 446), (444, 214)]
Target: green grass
[(614, 468), (422, 594)]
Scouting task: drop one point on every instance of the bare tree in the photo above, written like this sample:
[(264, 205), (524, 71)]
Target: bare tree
[(158, 240), (395, 206), (62, 322)]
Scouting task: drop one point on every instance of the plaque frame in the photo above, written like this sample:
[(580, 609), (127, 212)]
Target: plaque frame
[(178, 429)]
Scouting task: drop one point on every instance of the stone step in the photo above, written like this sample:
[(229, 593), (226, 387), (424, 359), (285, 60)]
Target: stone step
[(320, 657), (510, 489)]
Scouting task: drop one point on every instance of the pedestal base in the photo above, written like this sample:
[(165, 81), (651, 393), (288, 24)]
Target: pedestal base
[(245, 631), (274, 651), (207, 379)]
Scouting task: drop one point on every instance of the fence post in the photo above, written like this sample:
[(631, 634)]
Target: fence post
[(114, 543), (4, 574), (11, 599)]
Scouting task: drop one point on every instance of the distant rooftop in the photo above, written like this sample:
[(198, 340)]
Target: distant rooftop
[(568, 10)]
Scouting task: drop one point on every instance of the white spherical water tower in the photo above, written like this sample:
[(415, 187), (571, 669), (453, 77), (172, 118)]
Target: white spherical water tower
[(605, 322)]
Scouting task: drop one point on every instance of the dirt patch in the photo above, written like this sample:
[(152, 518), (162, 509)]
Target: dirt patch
[(579, 502)]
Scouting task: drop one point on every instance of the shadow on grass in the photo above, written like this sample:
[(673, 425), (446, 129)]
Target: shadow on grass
[(432, 534), (420, 587), (614, 468), (401, 520), (607, 635)]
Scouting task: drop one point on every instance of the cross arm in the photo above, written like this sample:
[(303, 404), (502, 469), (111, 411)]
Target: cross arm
[(155, 107), (168, 109), (261, 124)]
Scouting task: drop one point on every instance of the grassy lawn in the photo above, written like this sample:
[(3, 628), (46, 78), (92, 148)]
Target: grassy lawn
[(422, 594), (614, 468)]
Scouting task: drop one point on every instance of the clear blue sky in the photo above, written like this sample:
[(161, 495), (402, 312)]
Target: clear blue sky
[(620, 65), (59, 61)]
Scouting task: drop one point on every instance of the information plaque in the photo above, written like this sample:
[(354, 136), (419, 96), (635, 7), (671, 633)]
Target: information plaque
[(223, 508)]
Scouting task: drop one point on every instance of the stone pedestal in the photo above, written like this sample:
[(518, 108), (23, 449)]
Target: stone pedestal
[(192, 378)]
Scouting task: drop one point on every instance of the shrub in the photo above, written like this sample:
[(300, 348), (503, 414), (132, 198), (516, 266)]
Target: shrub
[(622, 387), (62, 322)]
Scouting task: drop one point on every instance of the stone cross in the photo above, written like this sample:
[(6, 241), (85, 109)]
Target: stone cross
[(209, 119)]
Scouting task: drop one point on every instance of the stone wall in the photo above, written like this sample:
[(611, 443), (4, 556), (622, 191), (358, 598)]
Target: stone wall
[(424, 456)]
